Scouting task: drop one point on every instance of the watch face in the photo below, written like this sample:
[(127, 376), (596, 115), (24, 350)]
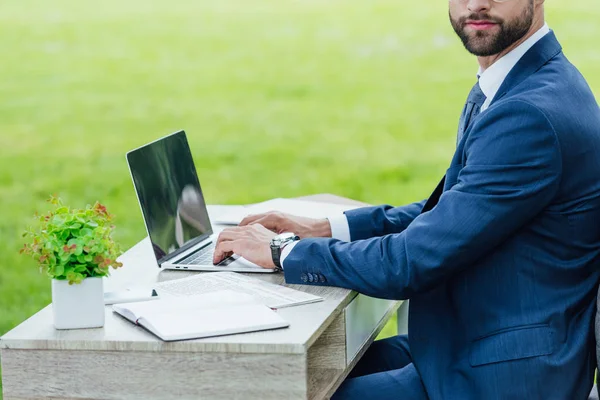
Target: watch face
[(282, 238)]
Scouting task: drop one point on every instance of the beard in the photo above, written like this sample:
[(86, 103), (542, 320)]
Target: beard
[(482, 43)]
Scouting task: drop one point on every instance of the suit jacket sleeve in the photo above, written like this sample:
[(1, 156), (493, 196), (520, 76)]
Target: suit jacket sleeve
[(512, 173), (368, 222)]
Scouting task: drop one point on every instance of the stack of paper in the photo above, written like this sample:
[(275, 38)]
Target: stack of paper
[(300, 208), (269, 294)]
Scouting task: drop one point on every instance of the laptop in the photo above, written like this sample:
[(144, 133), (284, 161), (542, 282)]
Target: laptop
[(174, 210)]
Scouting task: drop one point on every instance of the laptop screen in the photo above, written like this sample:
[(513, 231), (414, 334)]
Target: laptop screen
[(169, 193)]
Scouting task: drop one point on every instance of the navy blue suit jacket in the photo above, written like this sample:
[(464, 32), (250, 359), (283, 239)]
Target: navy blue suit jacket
[(502, 273)]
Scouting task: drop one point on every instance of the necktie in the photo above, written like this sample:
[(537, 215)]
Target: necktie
[(470, 111)]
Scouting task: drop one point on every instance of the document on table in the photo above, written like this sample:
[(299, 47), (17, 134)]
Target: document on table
[(269, 294), (301, 208)]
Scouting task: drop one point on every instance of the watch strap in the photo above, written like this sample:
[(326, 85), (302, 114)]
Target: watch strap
[(276, 250)]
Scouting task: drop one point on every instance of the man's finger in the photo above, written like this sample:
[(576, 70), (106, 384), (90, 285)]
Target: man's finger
[(250, 219), (223, 250), (270, 221)]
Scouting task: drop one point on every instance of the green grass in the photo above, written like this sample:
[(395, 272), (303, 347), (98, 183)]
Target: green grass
[(279, 98)]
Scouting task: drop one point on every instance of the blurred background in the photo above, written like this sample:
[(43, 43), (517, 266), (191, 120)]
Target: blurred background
[(279, 98)]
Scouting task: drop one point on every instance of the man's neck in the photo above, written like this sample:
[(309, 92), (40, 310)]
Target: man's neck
[(486, 62)]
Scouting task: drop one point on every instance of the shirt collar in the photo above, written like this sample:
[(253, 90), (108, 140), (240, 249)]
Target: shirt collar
[(492, 78)]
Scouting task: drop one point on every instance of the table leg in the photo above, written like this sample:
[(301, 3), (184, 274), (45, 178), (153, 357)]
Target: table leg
[(402, 315)]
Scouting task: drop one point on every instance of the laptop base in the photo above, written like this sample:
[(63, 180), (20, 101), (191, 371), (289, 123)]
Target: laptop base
[(214, 268)]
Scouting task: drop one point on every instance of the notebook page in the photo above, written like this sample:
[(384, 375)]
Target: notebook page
[(183, 306), (207, 322)]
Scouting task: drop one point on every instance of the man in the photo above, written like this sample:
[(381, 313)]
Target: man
[(502, 263)]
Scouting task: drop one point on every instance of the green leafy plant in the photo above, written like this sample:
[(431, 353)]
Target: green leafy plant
[(73, 244)]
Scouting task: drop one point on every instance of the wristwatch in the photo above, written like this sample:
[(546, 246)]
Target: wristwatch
[(277, 245)]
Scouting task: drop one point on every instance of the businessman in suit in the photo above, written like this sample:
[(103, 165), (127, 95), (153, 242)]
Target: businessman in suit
[(502, 263)]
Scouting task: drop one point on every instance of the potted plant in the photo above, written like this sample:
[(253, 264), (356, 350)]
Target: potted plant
[(76, 249)]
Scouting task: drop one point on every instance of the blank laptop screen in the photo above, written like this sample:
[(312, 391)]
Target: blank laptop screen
[(169, 193)]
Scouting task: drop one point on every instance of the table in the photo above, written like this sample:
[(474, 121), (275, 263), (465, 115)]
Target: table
[(308, 360)]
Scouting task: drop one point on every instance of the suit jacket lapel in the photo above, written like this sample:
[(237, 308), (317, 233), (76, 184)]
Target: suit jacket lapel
[(535, 58), (541, 52)]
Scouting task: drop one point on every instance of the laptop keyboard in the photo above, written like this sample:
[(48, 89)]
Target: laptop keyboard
[(204, 256)]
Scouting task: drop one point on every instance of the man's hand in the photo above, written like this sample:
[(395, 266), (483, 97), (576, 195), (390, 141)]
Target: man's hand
[(253, 242), (279, 222)]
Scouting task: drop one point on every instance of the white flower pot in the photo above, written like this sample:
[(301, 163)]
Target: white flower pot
[(78, 305)]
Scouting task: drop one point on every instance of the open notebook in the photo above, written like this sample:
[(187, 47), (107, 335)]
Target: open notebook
[(218, 313)]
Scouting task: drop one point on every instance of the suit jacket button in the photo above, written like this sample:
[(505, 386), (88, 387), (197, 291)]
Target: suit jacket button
[(311, 277), (322, 278), (304, 278)]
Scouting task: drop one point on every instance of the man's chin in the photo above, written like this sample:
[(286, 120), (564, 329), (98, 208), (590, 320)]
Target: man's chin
[(481, 52), (481, 46)]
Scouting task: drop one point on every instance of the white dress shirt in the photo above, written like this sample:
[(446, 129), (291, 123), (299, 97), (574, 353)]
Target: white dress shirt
[(490, 81), (492, 78)]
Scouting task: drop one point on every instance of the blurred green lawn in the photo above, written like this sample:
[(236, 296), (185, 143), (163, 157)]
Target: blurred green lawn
[(279, 98)]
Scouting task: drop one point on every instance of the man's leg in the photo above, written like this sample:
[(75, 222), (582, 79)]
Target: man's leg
[(384, 355), (398, 384), (385, 372)]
